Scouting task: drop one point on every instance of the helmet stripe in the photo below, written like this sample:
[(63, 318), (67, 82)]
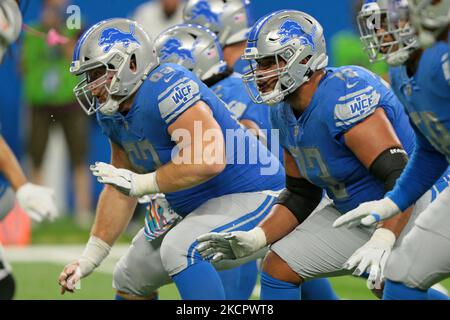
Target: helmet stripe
[(254, 33), (76, 51)]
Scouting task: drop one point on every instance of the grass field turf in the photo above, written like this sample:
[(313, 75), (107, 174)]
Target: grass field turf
[(39, 281)]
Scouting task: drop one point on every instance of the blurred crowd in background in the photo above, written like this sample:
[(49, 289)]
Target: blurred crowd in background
[(41, 120)]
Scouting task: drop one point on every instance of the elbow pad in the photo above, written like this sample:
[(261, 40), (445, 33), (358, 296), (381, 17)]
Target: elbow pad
[(301, 197), (388, 166)]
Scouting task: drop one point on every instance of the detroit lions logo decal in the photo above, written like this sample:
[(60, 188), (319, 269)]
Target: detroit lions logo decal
[(113, 36), (291, 29), (203, 9), (173, 47)]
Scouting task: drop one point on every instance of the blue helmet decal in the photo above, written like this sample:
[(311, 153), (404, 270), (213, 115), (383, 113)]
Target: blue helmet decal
[(203, 9), (173, 47), (112, 36), (291, 29)]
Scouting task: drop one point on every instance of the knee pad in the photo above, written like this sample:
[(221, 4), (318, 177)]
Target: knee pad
[(119, 278)]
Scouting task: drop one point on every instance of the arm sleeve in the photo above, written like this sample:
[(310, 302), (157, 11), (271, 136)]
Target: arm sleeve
[(424, 168), (176, 92), (352, 100)]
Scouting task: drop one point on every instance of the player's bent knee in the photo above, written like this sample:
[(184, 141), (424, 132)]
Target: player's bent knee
[(126, 286), (279, 269), (119, 278), (174, 255), (377, 293)]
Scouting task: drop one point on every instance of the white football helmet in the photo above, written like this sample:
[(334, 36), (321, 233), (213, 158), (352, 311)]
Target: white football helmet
[(292, 36), (385, 31), (229, 19), (112, 44), (194, 47), (11, 24), (430, 18)]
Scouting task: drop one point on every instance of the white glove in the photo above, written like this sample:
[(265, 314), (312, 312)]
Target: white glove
[(95, 252), (372, 257), (368, 213), (129, 183), (37, 201), (232, 245)]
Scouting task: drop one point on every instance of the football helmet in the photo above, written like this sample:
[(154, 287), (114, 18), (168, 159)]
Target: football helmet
[(429, 18), (194, 47), (292, 36), (112, 44), (11, 24), (385, 31), (229, 19)]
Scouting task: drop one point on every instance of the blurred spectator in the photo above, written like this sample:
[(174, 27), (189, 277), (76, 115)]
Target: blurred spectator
[(157, 15), (346, 47), (48, 91)]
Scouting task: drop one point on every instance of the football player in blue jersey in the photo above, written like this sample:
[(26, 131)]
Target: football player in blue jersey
[(198, 50), (37, 201), (420, 77), (342, 130), (169, 133), (231, 21)]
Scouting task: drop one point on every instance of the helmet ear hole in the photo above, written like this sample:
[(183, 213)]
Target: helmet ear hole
[(305, 60), (133, 63)]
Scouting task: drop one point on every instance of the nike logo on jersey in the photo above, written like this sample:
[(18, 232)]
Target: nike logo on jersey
[(168, 78), (350, 86)]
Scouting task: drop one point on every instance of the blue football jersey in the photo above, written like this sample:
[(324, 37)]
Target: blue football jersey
[(241, 66), (426, 98), (232, 91), (426, 95), (169, 91), (345, 96)]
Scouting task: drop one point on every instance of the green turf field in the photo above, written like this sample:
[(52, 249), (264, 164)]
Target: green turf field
[(39, 281)]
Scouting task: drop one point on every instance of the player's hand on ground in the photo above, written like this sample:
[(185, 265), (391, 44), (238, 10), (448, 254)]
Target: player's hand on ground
[(74, 272), (372, 257), (121, 179), (368, 213), (232, 245), (37, 201), (69, 277)]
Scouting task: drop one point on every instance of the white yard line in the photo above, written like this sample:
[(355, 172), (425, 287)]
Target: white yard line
[(60, 254)]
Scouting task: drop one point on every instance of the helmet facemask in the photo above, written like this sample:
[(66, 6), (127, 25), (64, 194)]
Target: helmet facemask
[(110, 80), (286, 61), (386, 35), (256, 78)]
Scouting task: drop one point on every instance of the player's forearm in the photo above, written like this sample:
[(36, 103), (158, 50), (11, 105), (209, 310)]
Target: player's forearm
[(174, 177), (254, 129), (114, 211), (423, 170), (397, 222), (278, 223), (10, 167)]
